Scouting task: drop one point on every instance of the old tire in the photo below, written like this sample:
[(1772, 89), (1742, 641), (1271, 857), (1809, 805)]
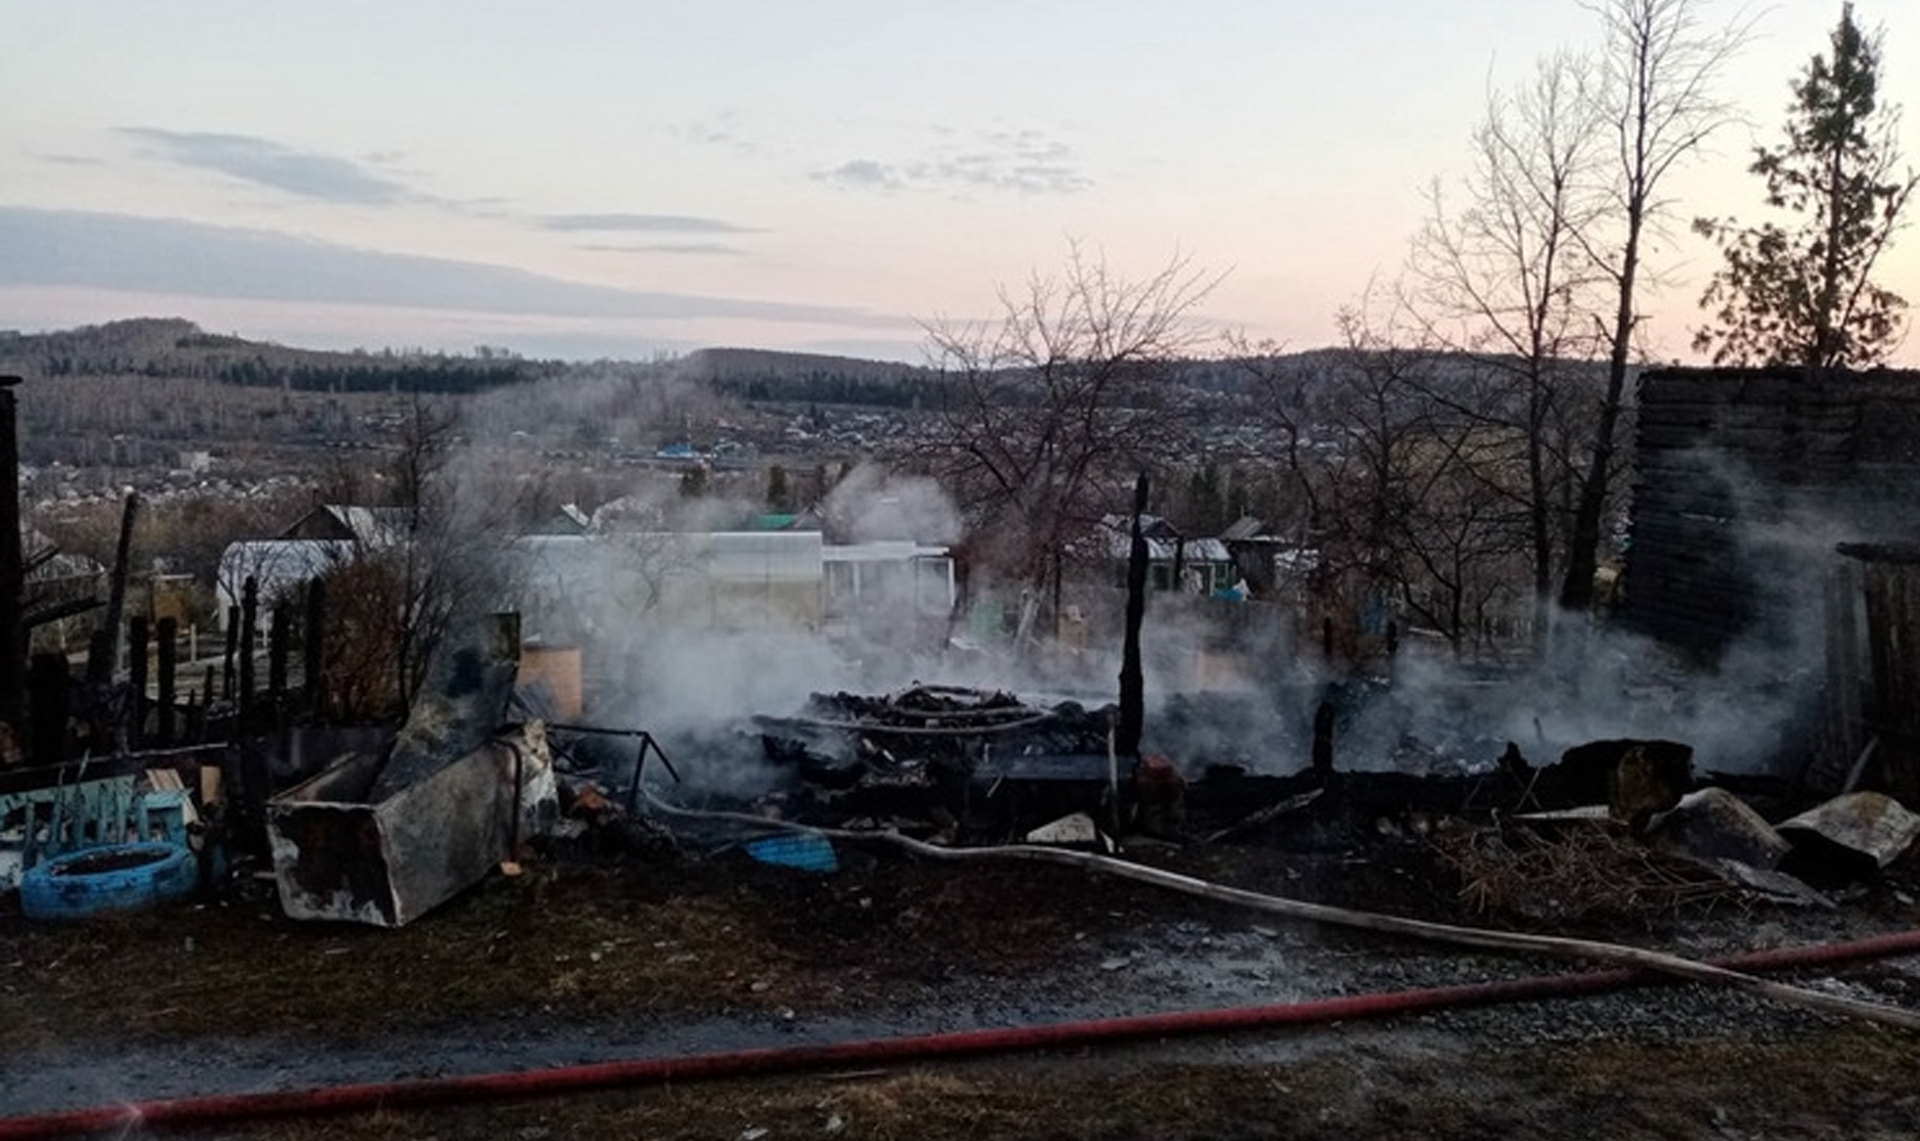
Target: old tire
[(108, 878)]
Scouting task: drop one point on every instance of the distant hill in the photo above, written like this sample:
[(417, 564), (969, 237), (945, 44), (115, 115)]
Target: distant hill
[(814, 378), (174, 347), (808, 378), (732, 364)]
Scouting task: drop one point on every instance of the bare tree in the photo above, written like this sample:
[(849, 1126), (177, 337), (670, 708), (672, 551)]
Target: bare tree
[(1507, 279), (1660, 62), (1050, 408), (448, 563), (1541, 267), (1409, 500)]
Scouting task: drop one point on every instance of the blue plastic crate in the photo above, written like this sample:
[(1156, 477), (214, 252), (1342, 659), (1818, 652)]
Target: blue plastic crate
[(804, 851)]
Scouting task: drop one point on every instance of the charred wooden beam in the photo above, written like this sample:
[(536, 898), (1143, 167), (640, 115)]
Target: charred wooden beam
[(13, 575), (137, 649), (197, 710), (279, 642), (226, 666), (53, 612), (51, 697), (249, 635), (314, 646), (1126, 737), (99, 656), (169, 667), (101, 667), (1324, 716)]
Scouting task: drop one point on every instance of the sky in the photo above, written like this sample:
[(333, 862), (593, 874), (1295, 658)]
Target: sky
[(618, 178)]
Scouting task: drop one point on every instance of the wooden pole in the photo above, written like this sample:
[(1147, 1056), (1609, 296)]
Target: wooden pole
[(279, 641), (197, 711), (13, 569), (1323, 722), (314, 647), (100, 670), (226, 668), (249, 635), (48, 685), (255, 780), (137, 681), (1127, 732), (99, 657), (169, 666)]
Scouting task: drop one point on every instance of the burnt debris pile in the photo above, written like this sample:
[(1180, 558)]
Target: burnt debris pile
[(929, 752)]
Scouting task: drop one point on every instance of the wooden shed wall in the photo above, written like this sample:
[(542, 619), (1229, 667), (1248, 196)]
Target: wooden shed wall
[(1723, 453)]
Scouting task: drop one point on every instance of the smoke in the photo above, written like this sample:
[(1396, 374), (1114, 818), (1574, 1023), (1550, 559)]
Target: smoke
[(695, 691), (693, 661), (690, 633), (1752, 709), (871, 504), (587, 409)]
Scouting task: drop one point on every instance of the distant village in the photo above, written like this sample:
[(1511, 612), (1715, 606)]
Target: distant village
[(288, 481)]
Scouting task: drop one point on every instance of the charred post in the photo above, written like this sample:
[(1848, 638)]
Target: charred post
[(226, 664), (249, 636), (314, 645), (13, 571), (137, 649), (254, 773), (99, 658), (1126, 740), (52, 702), (169, 664), (101, 668), (1323, 721), (279, 643), (197, 710)]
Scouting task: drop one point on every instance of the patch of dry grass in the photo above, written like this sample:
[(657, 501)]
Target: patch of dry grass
[(1579, 875), (578, 944)]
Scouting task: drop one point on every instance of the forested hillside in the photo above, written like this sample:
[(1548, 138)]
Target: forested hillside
[(173, 348)]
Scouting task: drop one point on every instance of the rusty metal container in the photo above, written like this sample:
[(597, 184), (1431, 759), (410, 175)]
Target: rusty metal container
[(342, 852)]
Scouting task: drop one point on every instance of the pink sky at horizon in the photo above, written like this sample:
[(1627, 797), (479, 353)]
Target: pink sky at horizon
[(820, 177)]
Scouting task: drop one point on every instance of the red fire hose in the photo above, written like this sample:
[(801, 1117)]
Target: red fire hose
[(227, 1109)]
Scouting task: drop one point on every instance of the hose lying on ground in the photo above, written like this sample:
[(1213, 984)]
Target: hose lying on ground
[(229, 1109), (1560, 946)]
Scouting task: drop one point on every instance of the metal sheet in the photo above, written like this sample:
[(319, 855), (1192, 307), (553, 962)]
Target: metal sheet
[(1871, 824), (1713, 824)]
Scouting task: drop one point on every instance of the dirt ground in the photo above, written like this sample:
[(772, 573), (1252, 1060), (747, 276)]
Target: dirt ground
[(572, 962)]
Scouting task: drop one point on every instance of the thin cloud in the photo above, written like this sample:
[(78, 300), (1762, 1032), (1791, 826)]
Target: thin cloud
[(1013, 162), (45, 248), (864, 174), (703, 248), (645, 223), (69, 159), (722, 130), (263, 162)]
